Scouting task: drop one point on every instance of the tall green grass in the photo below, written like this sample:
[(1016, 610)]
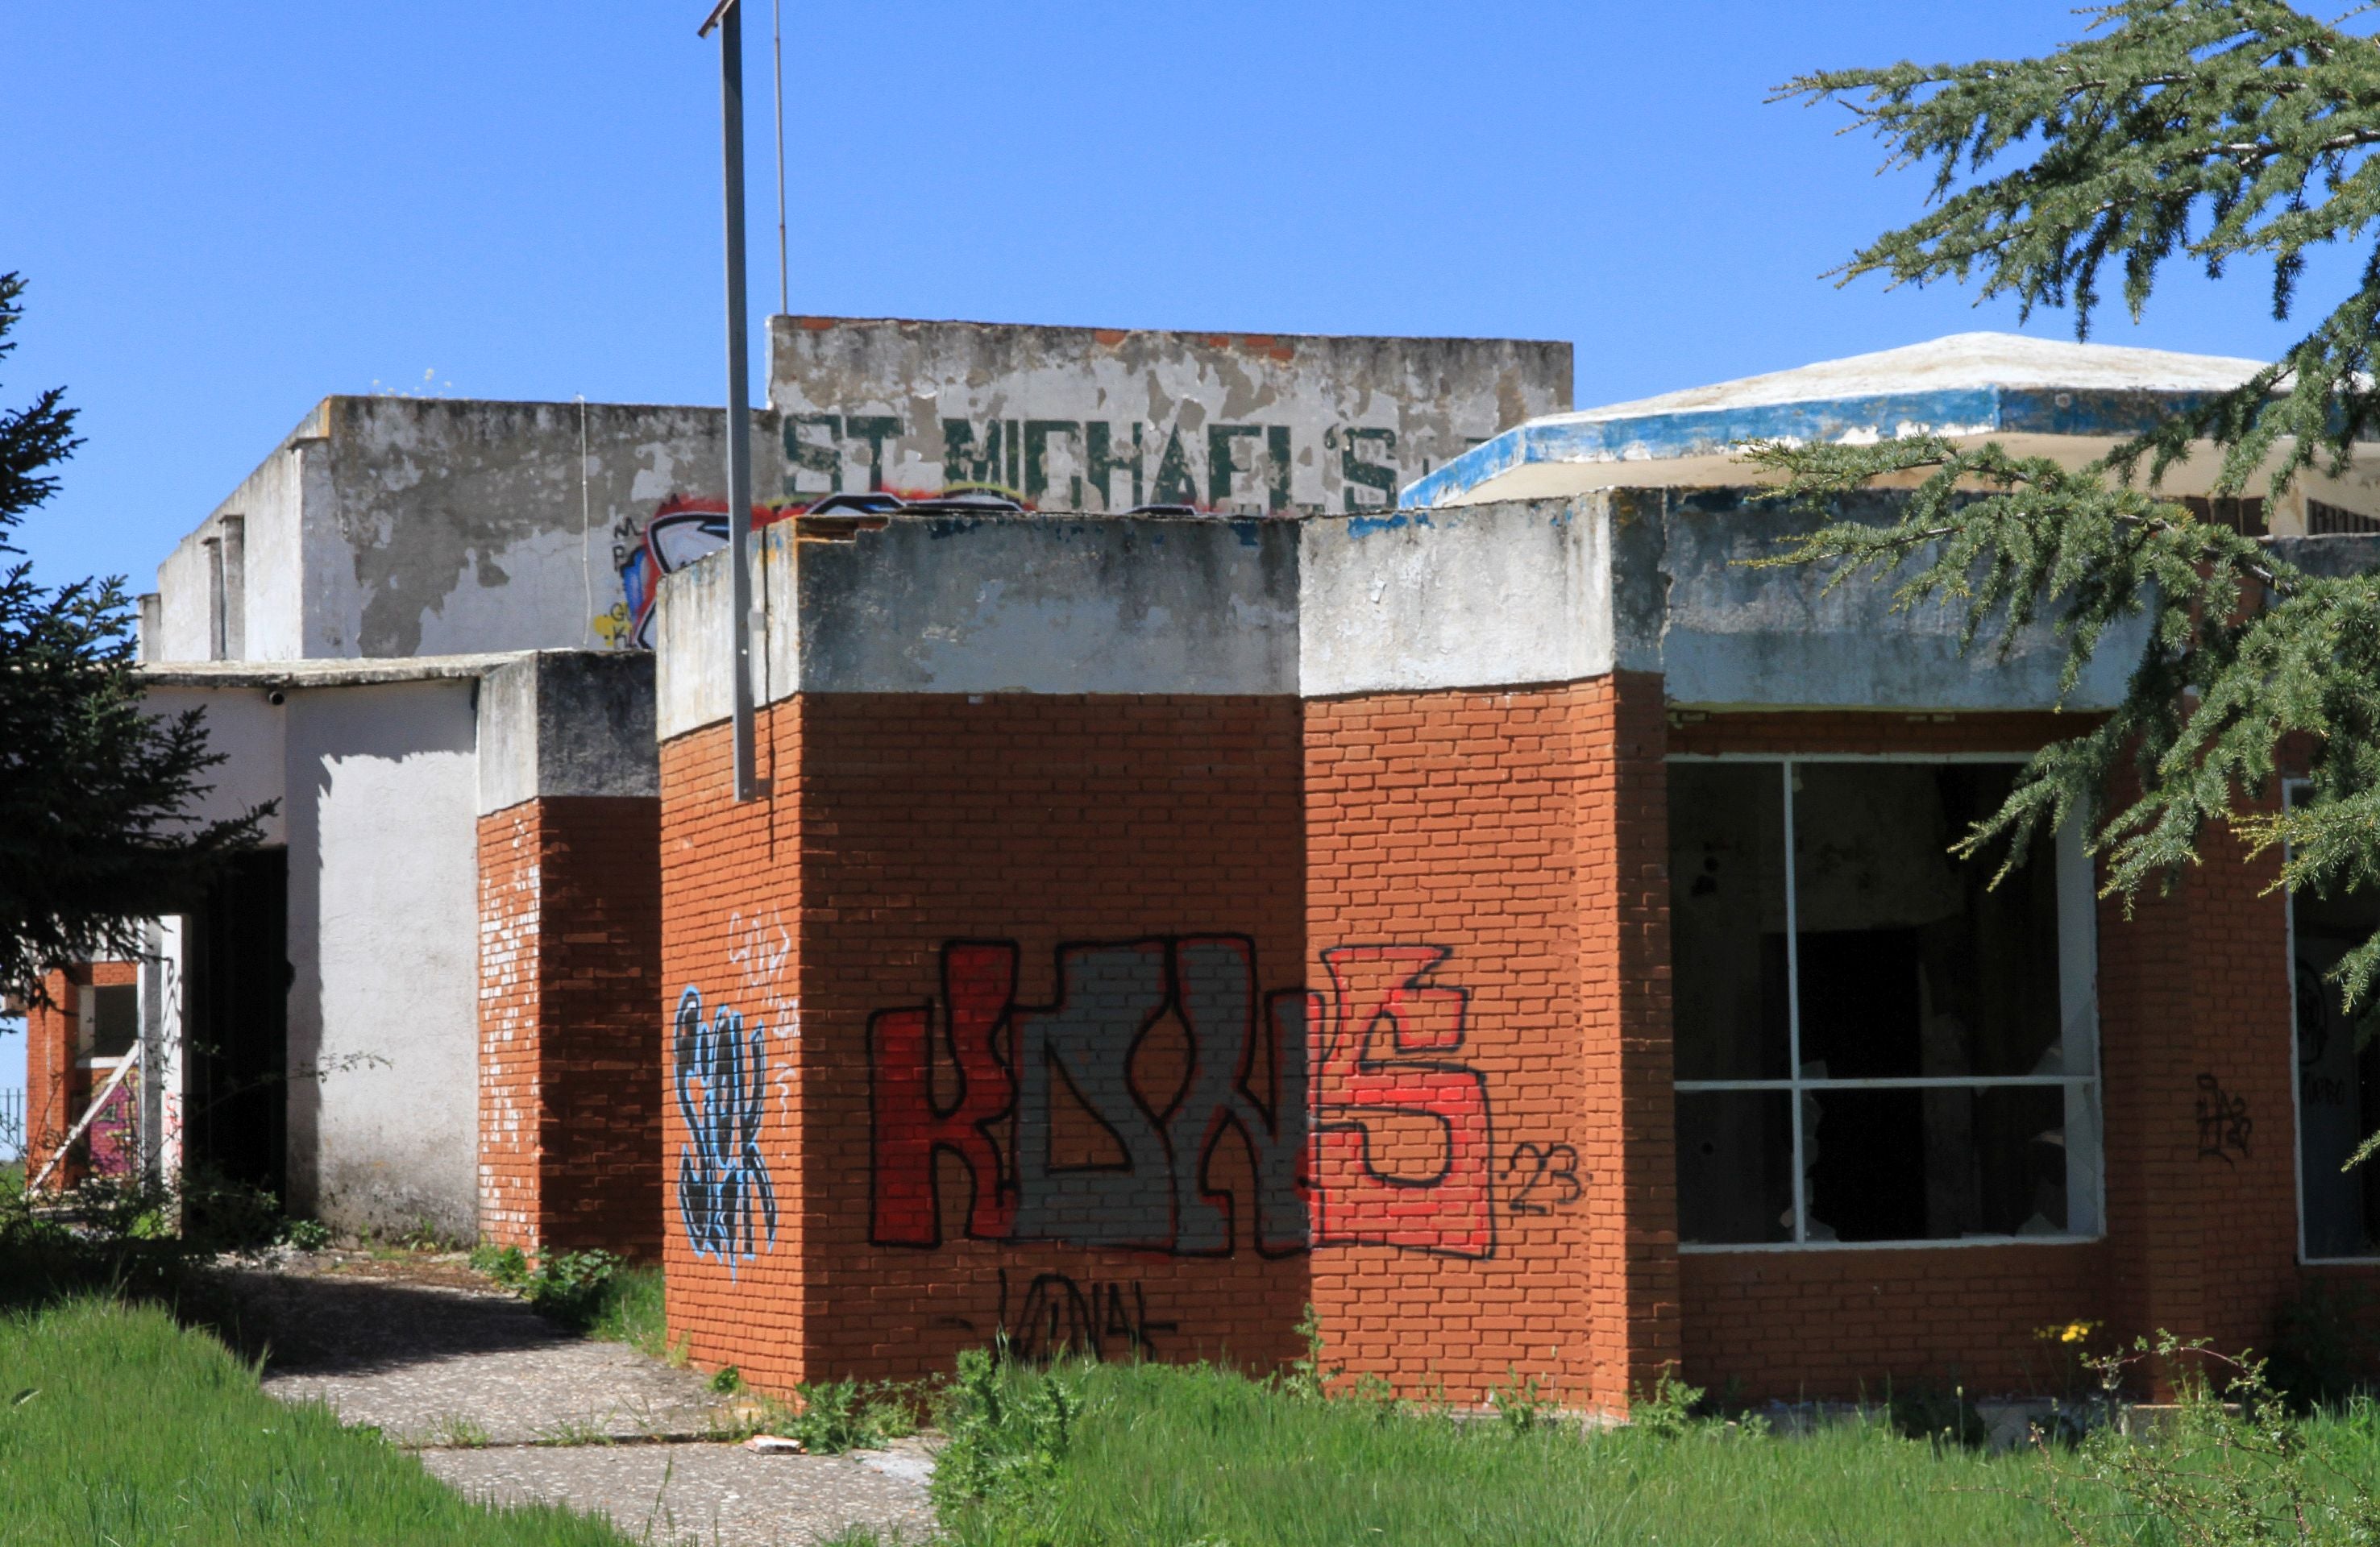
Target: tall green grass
[(629, 1310), (1177, 1457), (119, 1426)]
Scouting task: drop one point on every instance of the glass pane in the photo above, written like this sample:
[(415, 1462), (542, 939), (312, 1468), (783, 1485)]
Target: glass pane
[(1726, 920), (1735, 1166), (1911, 962), (114, 1020), (1935, 1164), (2338, 1079)]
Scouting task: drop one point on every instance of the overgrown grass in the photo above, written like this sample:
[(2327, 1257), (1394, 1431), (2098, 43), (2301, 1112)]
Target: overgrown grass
[(630, 1309), (1177, 1457), (119, 1426)]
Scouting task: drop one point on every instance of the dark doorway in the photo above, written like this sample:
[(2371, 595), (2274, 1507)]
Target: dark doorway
[(235, 1053)]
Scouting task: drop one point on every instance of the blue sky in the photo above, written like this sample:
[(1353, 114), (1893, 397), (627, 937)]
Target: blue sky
[(228, 211)]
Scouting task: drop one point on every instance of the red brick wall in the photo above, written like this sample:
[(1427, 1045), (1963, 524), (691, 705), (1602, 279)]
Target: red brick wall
[(1523, 834), (2196, 982), (569, 964), (57, 1089), (2197, 985), (1471, 889), (730, 930), (929, 857), (1635, 1287), (1839, 1323), (512, 1132), (50, 1074)]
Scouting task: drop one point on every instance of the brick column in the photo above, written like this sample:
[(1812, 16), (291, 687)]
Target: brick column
[(2195, 1015), (570, 1025), (1626, 1110), (1470, 1208), (50, 1105)]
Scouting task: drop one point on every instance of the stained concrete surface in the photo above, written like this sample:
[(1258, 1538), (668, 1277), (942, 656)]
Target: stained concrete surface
[(507, 1407), (707, 1493)]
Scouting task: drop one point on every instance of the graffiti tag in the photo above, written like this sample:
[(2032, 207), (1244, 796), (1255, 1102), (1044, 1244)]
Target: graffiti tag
[(2223, 1121), (725, 1196), (1011, 1063), (1548, 1176), (1387, 1068), (1056, 1315), (1392, 1146)]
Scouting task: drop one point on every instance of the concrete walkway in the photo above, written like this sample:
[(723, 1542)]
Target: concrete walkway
[(504, 1406)]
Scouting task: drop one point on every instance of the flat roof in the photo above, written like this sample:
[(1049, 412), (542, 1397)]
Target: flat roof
[(340, 673), (1965, 384)]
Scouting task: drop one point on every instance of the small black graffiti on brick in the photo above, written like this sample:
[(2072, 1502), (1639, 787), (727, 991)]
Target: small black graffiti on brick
[(1056, 1315), (1544, 1177), (2224, 1124)]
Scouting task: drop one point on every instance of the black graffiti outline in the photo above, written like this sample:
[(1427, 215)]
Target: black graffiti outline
[(1546, 1170), (1056, 1302), (2223, 1121)]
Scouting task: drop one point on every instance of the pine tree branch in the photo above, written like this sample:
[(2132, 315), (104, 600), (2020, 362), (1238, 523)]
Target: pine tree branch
[(2207, 131), (97, 794)]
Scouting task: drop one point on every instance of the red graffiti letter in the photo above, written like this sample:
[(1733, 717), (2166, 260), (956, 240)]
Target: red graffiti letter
[(978, 983), (1359, 1082)]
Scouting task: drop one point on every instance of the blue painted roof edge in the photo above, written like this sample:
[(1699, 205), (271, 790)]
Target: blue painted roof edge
[(1711, 432)]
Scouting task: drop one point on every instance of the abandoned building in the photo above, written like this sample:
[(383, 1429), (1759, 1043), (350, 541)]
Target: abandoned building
[(1107, 871), (425, 1003), (1502, 922)]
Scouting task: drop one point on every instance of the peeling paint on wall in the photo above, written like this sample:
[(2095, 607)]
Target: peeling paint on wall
[(1106, 420)]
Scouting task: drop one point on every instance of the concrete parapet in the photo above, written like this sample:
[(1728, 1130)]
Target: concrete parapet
[(1508, 594), (567, 722)]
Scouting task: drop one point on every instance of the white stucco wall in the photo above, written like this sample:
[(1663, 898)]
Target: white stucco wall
[(243, 725), (271, 503), (384, 937)]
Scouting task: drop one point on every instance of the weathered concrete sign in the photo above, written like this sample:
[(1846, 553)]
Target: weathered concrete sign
[(1109, 419)]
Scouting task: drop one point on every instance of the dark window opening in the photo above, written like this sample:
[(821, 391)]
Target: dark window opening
[(2338, 1075), (2244, 516), (114, 1020), (1726, 920), (2332, 521), (1735, 1165), (1875, 1017)]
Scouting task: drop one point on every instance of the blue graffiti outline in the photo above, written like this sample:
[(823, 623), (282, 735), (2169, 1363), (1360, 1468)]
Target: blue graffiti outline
[(722, 1181)]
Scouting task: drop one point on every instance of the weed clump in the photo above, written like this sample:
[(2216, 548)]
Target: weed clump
[(571, 1289), (1006, 1427)]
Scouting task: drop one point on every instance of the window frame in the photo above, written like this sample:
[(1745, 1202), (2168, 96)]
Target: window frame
[(86, 1046), (2290, 788), (2077, 894)]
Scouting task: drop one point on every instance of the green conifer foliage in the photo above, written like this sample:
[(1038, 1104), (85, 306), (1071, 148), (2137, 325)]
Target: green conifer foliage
[(93, 789), (2204, 132)]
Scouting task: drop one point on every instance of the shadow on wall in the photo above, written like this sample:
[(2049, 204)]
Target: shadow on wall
[(384, 898)]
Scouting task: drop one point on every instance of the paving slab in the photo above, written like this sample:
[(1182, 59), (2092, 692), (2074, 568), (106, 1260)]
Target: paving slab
[(719, 1495), (431, 1362), (505, 1407)]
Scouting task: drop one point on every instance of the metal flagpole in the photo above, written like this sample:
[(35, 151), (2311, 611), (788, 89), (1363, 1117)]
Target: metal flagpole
[(727, 17), (777, 42)]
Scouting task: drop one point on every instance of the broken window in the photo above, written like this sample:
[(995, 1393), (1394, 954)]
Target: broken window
[(1874, 1043), (2338, 1075), (113, 1023)]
